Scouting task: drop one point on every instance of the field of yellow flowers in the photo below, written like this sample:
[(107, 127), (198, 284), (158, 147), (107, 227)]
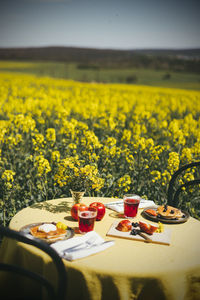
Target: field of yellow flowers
[(121, 137)]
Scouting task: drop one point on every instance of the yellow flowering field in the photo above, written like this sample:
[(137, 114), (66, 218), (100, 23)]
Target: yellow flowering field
[(124, 138)]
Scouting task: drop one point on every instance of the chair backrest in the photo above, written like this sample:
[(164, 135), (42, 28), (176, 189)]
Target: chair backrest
[(53, 293), (174, 191)]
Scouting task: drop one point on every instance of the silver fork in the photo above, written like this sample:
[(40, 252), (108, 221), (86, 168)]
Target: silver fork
[(83, 245)]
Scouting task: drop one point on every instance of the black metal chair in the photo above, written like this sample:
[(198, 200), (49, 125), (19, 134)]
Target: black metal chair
[(53, 293), (174, 190)]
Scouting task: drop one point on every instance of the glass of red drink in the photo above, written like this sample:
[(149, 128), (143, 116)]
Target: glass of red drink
[(86, 219), (131, 203)]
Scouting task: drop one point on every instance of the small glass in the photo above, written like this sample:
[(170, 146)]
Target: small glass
[(131, 203), (86, 219)]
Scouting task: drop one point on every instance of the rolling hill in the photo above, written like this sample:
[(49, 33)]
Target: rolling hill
[(185, 60)]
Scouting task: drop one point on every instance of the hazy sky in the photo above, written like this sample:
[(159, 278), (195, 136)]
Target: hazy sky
[(121, 24)]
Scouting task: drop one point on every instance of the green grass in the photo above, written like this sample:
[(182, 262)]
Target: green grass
[(71, 71)]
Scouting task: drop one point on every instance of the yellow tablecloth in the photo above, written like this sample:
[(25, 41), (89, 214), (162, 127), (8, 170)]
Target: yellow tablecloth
[(128, 270)]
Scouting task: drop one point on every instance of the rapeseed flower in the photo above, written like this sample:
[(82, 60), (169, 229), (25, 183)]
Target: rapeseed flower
[(173, 162), (42, 165), (8, 178), (120, 136), (51, 135)]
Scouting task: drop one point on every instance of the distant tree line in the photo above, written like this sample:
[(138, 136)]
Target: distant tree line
[(169, 60)]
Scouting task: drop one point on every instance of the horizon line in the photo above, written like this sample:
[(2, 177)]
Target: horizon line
[(106, 48)]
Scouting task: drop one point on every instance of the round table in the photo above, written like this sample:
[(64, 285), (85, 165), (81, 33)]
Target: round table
[(128, 270)]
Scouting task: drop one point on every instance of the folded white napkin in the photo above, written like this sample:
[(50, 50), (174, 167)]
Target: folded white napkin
[(79, 247), (118, 206)]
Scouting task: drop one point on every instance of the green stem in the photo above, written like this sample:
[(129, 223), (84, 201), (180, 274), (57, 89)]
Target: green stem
[(44, 191), (138, 177), (54, 195), (4, 212)]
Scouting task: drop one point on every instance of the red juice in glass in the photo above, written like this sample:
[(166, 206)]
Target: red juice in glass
[(131, 203), (86, 219)]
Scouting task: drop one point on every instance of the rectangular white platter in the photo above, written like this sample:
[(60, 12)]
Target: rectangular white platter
[(163, 238)]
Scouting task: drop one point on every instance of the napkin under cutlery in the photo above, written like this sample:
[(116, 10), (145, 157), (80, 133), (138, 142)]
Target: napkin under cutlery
[(118, 206), (79, 247)]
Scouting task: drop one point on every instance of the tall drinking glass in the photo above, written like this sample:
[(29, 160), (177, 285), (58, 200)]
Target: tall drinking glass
[(86, 219), (131, 203)]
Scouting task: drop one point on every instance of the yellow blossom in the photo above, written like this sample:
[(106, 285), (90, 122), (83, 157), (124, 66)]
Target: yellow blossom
[(42, 165), (51, 135), (173, 162), (156, 175), (8, 178), (55, 156)]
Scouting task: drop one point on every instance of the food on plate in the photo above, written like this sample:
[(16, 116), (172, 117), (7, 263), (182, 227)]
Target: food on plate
[(169, 212), (135, 224), (151, 212), (147, 227), (124, 225), (100, 210), (137, 228), (61, 225), (135, 231), (47, 227), (48, 231), (160, 228), (74, 210)]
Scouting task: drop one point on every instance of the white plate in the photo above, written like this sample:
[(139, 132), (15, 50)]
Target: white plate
[(68, 235)]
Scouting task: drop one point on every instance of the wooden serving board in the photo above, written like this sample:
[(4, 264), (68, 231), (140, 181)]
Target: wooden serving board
[(163, 238)]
